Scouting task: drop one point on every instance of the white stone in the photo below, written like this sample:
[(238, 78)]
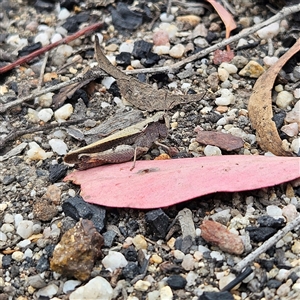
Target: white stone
[(7, 228), (172, 85), (45, 100), (274, 211), (96, 289), (24, 243), (104, 104), (36, 152), (45, 114), (222, 121), (178, 254), (17, 256), (164, 17), (230, 68), (8, 218), (56, 37), (114, 260), (290, 129), (24, 229), (270, 60), (142, 285), (295, 146), (294, 115), (226, 98), (169, 28), (191, 278), (127, 46), (284, 99), (108, 81), (282, 275), (17, 219), (47, 291), (64, 50), (3, 236), (297, 93), (58, 146), (63, 14), (188, 262), (70, 285), (223, 74), (269, 31), (177, 51), (201, 42), (161, 50), (212, 150), (43, 38), (185, 86), (216, 255), (28, 253), (166, 293), (63, 113), (153, 295), (241, 43)]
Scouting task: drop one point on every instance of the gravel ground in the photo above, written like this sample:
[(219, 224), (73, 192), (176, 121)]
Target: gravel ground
[(159, 254)]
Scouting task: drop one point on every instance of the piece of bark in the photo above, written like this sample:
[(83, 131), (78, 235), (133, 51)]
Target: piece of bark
[(217, 234), (139, 94), (260, 107), (225, 141)]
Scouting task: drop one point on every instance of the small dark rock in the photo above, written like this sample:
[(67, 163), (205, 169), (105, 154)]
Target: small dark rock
[(114, 90), (6, 261), (47, 5), (131, 270), (57, 172), (43, 264), (67, 223), (76, 208), (297, 191), (29, 49), (123, 59), (216, 296), (274, 284), (187, 243), (178, 243), (211, 36), (294, 277), (158, 222), (71, 25), (176, 282), (109, 237), (8, 179), (130, 254), (151, 59), (141, 49), (268, 221), (124, 18), (132, 226), (278, 119), (260, 234), (267, 264), (69, 4), (14, 271)]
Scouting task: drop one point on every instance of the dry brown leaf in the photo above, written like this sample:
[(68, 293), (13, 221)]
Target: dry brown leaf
[(260, 107), (225, 16)]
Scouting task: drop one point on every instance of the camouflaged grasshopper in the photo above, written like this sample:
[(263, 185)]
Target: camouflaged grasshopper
[(122, 146)]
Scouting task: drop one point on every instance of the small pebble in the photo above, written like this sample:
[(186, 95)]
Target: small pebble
[(24, 229), (64, 50), (108, 81), (190, 20), (274, 211), (46, 100), (63, 113), (253, 70), (284, 99), (142, 285), (223, 74), (114, 260), (268, 32), (294, 115), (58, 146), (45, 114), (161, 50), (48, 291), (164, 17), (97, 288), (177, 51), (166, 293), (17, 256), (160, 38), (188, 262), (126, 46), (139, 242), (291, 129), (36, 152), (212, 150), (32, 116), (290, 212), (230, 68), (226, 280), (295, 146), (201, 42), (270, 60), (70, 285)]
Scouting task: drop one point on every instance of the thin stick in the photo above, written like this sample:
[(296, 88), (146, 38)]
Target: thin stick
[(91, 74), (65, 40), (266, 245), (280, 15), (43, 71)]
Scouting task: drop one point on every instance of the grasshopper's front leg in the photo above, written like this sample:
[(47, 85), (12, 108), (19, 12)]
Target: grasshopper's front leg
[(120, 154)]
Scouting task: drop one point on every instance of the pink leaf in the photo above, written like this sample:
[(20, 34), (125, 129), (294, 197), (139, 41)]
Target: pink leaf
[(161, 183)]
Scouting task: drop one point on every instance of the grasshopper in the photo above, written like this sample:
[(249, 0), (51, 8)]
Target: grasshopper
[(122, 146)]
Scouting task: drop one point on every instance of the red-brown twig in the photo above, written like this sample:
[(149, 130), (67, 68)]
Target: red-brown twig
[(65, 40)]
